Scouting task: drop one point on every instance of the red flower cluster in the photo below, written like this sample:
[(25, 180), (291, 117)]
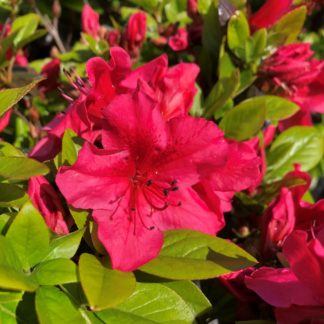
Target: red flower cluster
[(146, 166), (291, 72)]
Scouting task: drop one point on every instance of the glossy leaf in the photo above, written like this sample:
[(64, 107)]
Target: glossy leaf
[(299, 144), (53, 306), (104, 287), (150, 303), (206, 256), (289, 26), (55, 272), (65, 246), (20, 168), (9, 97), (244, 121), (29, 236), (223, 90), (11, 273), (191, 294), (238, 33)]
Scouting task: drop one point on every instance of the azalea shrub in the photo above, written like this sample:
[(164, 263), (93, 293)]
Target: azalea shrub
[(161, 161)]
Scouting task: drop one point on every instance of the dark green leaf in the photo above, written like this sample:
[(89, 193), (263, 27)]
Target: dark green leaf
[(12, 196)]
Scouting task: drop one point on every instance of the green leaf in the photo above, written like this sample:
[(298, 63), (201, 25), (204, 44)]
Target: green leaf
[(29, 236), (256, 44), (278, 108), (9, 97), (26, 26), (238, 33), (299, 144), (8, 149), (244, 121), (53, 306), (11, 274), (223, 90), (79, 216), (191, 294), (4, 222), (150, 303), (286, 30), (206, 256), (65, 246), (71, 145), (12, 196), (104, 287), (9, 296), (15, 168), (147, 5), (175, 11), (55, 272)]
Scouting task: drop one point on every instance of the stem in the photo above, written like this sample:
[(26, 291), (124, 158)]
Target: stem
[(52, 29)]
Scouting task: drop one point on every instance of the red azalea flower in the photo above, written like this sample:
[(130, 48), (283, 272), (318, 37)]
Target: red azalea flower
[(46, 200), (292, 73), (288, 212), (140, 184), (135, 33), (270, 13), (173, 88), (51, 71), (179, 41), (90, 21), (113, 37), (297, 291), (5, 119)]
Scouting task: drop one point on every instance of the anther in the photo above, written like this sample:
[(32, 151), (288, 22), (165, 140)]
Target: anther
[(149, 182), (165, 192)]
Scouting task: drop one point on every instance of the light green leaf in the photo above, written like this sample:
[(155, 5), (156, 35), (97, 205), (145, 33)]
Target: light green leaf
[(191, 294), (206, 256), (223, 90), (278, 108), (299, 144), (244, 121), (286, 30), (256, 44), (8, 149), (65, 246), (53, 306), (11, 274), (55, 272), (104, 287), (29, 236), (71, 145), (25, 26), (9, 97), (238, 33), (15, 168), (150, 303), (10, 296)]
